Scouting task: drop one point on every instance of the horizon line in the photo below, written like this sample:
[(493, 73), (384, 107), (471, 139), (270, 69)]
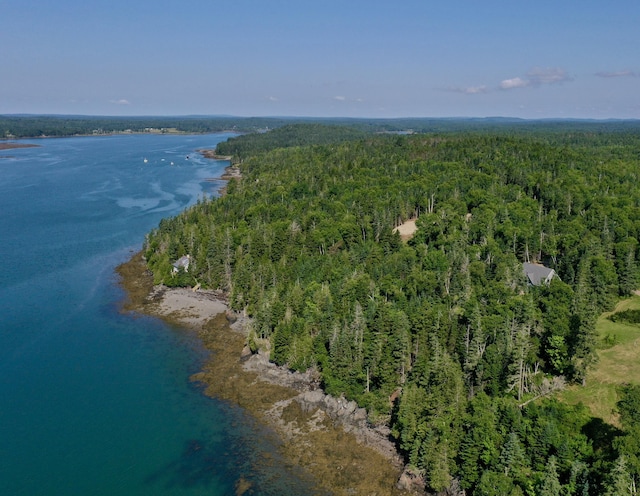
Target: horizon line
[(311, 117)]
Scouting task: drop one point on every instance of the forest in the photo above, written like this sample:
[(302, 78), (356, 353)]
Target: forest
[(441, 336), (34, 126)]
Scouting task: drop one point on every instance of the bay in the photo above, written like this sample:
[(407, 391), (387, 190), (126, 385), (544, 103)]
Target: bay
[(93, 401)]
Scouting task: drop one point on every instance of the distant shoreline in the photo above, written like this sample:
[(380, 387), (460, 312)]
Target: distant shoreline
[(118, 133)]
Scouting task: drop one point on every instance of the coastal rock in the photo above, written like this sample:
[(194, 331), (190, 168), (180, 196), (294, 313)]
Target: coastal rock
[(310, 400), (312, 408), (411, 481), (360, 415), (256, 363), (340, 411), (331, 404), (350, 407)]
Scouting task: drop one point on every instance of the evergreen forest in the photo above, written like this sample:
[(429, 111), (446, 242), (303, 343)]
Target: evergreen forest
[(441, 335), (14, 126)]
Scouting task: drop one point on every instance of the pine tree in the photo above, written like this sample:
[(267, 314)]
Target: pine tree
[(550, 483), (579, 479), (512, 457), (620, 481)]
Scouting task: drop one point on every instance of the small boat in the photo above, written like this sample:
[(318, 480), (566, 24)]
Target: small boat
[(145, 160)]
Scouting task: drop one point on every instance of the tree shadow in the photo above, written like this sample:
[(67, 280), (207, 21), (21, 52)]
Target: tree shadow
[(602, 436)]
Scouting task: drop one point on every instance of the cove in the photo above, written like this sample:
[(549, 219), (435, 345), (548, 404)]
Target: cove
[(94, 401)]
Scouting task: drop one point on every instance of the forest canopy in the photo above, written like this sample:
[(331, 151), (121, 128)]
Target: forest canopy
[(442, 337)]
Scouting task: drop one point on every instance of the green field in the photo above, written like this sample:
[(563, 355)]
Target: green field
[(619, 363)]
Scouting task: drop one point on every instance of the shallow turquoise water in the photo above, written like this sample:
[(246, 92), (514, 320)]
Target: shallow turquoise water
[(94, 402)]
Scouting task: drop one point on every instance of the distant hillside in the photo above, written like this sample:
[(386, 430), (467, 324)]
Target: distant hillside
[(289, 136), (28, 126)]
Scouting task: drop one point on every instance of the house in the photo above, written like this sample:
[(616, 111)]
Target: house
[(538, 274), (181, 263)]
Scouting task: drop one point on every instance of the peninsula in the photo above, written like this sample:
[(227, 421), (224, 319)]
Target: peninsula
[(456, 355)]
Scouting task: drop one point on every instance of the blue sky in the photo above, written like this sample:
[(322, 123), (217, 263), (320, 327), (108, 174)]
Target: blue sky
[(352, 58)]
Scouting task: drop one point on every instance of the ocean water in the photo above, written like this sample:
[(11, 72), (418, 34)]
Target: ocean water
[(92, 401)]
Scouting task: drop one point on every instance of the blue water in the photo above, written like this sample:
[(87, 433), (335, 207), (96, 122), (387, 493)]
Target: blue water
[(92, 401)]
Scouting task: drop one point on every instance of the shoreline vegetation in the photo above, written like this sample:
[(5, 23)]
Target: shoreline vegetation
[(438, 332), (328, 437)]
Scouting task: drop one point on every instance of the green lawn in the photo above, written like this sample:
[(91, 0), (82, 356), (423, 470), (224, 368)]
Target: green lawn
[(619, 363)]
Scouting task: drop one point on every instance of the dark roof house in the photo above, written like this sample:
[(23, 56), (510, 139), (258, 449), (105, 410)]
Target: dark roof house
[(538, 274)]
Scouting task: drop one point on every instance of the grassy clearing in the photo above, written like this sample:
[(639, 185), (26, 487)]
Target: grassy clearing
[(619, 363), (612, 333)]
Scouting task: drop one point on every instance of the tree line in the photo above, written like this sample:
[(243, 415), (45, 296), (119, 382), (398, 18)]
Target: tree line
[(441, 337), (30, 126), (17, 126)]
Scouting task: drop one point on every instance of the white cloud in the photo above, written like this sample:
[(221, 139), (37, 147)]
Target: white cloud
[(509, 84), (339, 98), (536, 77), (475, 90), (468, 90), (122, 101), (272, 99), (616, 74), (548, 75)]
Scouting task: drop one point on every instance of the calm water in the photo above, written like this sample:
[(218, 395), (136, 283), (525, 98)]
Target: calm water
[(93, 402)]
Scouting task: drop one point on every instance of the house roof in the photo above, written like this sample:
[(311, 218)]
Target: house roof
[(182, 262), (538, 274)]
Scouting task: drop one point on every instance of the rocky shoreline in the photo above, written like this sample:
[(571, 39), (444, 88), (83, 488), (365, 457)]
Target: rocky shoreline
[(232, 171), (206, 153), (329, 437)]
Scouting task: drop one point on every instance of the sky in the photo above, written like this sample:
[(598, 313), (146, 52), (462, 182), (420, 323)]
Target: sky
[(349, 58)]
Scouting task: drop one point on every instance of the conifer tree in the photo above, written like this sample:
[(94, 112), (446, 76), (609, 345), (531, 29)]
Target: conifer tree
[(550, 484), (621, 482)]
